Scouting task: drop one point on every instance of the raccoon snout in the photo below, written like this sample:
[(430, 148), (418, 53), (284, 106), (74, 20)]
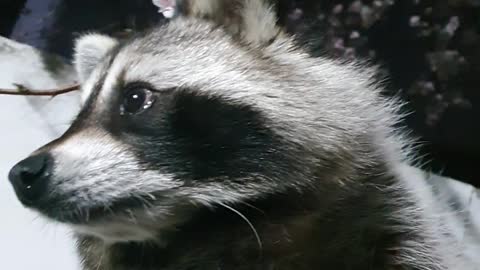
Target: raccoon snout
[(30, 177)]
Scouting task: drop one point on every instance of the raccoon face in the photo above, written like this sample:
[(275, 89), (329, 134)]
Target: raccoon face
[(161, 132), (190, 115)]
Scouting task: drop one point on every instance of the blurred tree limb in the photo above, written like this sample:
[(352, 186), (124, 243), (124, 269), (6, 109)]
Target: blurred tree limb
[(24, 91)]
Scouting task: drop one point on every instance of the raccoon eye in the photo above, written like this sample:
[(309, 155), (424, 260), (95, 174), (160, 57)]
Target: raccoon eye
[(136, 100)]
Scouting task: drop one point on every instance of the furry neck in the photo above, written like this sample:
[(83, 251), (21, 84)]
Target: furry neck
[(352, 230)]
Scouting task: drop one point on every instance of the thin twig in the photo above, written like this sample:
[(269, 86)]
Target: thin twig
[(24, 91)]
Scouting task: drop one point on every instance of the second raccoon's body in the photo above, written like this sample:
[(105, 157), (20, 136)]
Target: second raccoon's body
[(204, 147)]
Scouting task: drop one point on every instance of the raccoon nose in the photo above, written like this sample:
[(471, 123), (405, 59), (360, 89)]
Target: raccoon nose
[(29, 178)]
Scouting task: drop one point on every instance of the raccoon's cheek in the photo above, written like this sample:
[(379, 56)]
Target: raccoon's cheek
[(100, 181), (107, 176)]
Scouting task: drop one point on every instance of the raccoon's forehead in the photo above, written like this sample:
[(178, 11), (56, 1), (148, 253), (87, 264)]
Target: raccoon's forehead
[(170, 58), (299, 94)]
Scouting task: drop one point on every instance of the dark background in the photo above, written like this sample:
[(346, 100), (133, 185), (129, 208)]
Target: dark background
[(430, 51)]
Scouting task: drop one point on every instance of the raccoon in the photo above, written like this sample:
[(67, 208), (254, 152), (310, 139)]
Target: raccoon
[(215, 142)]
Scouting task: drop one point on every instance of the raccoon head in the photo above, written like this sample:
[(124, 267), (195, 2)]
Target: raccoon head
[(188, 116)]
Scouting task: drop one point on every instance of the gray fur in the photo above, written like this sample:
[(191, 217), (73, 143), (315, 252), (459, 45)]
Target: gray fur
[(335, 193)]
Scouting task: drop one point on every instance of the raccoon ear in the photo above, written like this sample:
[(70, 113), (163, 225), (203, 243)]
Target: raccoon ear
[(89, 50), (253, 21)]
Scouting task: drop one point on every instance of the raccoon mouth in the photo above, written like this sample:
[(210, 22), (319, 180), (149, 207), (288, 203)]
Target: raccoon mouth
[(83, 214)]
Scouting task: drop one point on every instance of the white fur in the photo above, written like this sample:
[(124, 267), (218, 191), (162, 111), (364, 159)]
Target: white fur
[(116, 232), (89, 51), (434, 225), (259, 22), (135, 225), (93, 165), (111, 80), (89, 84)]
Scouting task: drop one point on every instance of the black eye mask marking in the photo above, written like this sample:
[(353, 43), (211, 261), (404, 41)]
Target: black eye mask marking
[(195, 136), (217, 136)]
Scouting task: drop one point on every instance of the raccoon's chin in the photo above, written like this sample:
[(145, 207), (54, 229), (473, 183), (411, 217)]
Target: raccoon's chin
[(115, 224), (71, 210), (118, 232), (131, 225), (118, 223)]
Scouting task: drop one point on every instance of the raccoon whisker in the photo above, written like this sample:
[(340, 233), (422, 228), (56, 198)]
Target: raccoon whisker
[(149, 213), (108, 209), (83, 212), (78, 212), (259, 241), (151, 196), (145, 203), (132, 216), (87, 214), (100, 261), (253, 207)]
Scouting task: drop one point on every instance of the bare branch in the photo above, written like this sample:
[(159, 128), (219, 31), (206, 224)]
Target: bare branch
[(24, 91)]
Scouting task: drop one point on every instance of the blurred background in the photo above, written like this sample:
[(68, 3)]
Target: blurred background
[(428, 49)]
